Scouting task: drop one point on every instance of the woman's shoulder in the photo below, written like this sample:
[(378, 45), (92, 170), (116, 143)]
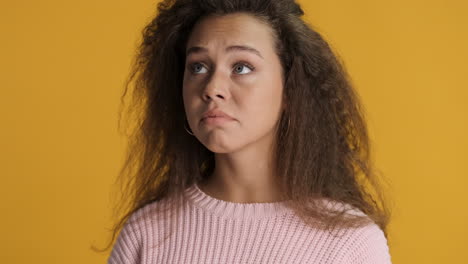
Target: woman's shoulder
[(341, 206), (150, 212), (139, 218), (127, 248), (367, 244), (142, 213), (129, 241)]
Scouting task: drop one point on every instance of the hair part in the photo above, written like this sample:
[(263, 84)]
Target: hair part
[(322, 155)]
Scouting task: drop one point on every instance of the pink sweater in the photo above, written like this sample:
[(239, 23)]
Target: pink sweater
[(208, 230)]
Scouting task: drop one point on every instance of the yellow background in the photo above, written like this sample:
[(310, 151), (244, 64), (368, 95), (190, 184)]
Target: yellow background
[(62, 67)]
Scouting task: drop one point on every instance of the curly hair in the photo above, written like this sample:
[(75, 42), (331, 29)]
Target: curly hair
[(322, 150)]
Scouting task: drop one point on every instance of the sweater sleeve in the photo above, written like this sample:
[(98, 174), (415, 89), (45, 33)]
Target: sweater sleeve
[(369, 246), (127, 246)]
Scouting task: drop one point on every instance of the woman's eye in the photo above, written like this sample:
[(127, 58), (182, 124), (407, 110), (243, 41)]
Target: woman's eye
[(238, 68), (195, 66)]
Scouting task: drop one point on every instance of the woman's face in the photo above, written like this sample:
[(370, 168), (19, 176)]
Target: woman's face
[(246, 84)]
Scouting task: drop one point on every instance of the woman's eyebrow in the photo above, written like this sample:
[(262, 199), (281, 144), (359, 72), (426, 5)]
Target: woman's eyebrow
[(198, 49)]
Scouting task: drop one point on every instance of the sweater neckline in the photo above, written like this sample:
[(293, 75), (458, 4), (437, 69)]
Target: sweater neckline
[(234, 210)]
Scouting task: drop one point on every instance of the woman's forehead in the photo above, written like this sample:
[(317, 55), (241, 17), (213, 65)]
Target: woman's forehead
[(230, 32)]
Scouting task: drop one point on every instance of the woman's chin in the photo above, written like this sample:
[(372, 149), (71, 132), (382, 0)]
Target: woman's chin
[(219, 148)]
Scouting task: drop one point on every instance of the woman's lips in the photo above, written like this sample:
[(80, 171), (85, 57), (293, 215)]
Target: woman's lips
[(215, 116), (215, 113), (216, 120)]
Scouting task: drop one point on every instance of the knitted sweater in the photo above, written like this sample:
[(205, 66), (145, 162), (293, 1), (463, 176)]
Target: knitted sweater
[(208, 230)]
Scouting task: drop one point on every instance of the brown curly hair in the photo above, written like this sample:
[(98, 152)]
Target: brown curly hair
[(322, 151)]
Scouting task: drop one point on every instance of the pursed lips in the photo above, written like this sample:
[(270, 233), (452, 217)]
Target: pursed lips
[(216, 113)]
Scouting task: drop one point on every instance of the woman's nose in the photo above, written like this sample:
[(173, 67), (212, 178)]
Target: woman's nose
[(216, 88)]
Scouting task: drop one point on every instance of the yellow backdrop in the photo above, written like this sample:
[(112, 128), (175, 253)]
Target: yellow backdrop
[(63, 64)]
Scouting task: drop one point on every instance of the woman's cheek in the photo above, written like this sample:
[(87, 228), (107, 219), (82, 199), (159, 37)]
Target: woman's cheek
[(247, 80)]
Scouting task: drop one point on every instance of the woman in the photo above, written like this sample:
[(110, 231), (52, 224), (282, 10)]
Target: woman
[(251, 146)]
